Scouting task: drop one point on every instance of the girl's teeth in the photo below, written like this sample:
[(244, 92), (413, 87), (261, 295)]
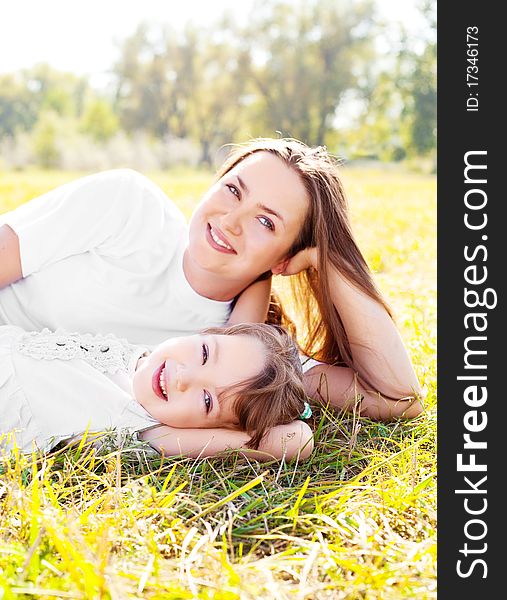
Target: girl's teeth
[(162, 382), (218, 240)]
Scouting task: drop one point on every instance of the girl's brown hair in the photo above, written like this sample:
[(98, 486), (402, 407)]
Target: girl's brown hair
[(326, 227), (276, 395)]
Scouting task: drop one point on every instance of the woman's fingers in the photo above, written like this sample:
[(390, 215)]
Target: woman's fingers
[(301, 261)]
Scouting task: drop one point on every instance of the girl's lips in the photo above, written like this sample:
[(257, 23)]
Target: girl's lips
[(155, 383), (216, 246)]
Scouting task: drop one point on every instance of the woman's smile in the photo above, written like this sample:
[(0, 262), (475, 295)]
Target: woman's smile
[(218, 241)]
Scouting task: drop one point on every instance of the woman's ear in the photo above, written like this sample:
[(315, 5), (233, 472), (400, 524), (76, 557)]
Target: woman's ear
[(280, 267)]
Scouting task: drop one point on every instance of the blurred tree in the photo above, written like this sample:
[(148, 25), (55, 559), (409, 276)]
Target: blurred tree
[(18, 106), (25, 95), (217, 94), (398, 118), (310, 69), (150, 94), (183, 84), (421, 90), (60, 92), (45, 135), (380, 132), (305, 56), (99, 121)]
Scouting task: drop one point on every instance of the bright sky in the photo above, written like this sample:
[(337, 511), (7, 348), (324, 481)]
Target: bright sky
[(82, 37)]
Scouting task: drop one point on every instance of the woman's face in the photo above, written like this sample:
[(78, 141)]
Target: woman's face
[(247, 222), (179, 383)]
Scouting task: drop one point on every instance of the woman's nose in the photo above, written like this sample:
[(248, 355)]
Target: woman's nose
[(232, 222)]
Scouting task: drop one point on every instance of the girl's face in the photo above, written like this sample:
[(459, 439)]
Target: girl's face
[(180, 381), (247, 222)]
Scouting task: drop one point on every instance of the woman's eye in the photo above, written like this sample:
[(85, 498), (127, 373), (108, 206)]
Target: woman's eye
[(208, 401), (234, 190), (268, 223), (205, 354)]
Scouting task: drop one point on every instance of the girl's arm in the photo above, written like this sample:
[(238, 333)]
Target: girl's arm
[(292, 441), (252, 305), (378, 352), (10, 261)]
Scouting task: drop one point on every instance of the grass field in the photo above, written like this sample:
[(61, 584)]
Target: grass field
[(357, 520)]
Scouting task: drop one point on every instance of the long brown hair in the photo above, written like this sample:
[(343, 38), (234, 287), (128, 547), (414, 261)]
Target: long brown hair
[(326, 227), (276, 395)]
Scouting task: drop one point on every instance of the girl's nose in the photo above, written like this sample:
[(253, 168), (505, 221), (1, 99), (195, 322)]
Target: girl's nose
[(182, 379), (186, 376)]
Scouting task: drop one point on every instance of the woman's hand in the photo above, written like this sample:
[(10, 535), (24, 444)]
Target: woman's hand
[(303, 260), (10, 260)]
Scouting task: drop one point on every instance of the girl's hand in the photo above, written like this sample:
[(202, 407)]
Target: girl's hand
[(301, 261)]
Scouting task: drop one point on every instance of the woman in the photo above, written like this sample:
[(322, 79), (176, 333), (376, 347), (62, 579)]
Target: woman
[(108, 252)]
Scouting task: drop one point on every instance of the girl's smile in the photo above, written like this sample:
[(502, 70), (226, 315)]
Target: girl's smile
[(158, 382)]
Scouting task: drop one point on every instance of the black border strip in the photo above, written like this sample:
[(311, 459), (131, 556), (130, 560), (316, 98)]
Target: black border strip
[(461, 131)]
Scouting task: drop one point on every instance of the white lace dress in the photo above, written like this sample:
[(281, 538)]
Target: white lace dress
[(56, 385)]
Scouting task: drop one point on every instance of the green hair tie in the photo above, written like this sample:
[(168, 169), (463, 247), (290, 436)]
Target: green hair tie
[(307, 412)]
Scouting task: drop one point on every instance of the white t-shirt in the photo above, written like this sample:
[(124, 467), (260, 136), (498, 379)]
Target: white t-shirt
[(54, 386), (104, 254)]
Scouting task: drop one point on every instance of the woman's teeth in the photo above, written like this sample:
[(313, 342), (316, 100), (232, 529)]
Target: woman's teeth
[(162, 382), (218, 241)]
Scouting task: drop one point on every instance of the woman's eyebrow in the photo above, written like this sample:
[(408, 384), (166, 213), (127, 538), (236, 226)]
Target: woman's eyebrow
[(242, 185), (263, 207), (270, 211)]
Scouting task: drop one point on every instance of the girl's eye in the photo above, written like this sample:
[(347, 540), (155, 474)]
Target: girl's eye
[(208, 401), (205, 354), (234, 190), (268, 223)]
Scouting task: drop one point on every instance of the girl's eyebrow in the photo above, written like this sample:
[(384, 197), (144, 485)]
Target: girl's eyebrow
[(216, 349), (263, 207)]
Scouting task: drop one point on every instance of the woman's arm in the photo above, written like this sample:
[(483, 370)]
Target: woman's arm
[(116, 211), (292, 441), (342, 389), (252, 305), (10, 260), (378, 352)]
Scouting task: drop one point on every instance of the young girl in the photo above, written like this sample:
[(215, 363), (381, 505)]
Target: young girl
[(246, 378), (110, 253)]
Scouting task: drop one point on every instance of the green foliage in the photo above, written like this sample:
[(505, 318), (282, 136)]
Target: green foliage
[(18, 110), (45, 135), (99, 121), (313, 53), (296, 68), (423, 87), (357, 520)]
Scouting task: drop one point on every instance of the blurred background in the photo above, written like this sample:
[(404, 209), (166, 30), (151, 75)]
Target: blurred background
[(157, 84)]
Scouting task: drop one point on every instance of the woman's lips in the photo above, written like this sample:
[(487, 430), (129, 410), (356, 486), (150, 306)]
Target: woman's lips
[(218, 235), (155, 382)]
